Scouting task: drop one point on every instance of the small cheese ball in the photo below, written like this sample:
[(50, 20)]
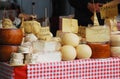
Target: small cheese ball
[(83, 51), (68, 52), (71, 39)]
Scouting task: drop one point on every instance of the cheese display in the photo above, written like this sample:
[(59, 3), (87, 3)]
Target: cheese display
[(70, 43), (83, 51), (68, 52), (71, 39), (100, 50)]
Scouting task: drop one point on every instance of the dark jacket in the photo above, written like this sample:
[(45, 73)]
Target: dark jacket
[(83, 14)]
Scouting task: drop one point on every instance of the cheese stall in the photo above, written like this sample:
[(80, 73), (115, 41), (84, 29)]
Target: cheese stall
[(76, 52)]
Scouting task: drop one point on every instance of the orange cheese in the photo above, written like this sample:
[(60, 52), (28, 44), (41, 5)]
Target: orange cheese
[(100, 50)]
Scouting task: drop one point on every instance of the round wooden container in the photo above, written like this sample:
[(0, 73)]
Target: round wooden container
[(11, 36), (100, 50)]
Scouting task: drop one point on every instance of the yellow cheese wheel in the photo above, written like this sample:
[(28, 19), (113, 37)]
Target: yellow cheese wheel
[(71, 39), (83, 51), (68, 52)]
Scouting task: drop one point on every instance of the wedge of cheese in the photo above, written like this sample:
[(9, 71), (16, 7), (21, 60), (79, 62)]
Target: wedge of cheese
[(69, 25)]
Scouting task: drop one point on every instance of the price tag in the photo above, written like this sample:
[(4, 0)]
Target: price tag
[(109, 10)]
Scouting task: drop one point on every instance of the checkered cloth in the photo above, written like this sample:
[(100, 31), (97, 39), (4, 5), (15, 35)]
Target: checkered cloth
[(6, 71), (78, 69)]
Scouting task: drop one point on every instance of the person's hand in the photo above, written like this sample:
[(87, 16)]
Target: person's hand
[(94, 7)]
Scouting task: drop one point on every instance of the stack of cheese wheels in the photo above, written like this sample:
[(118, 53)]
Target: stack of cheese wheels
[(69, 41), (115, 44), (101, 48), (10, 39)]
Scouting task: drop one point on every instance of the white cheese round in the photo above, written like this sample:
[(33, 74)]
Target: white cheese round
[(83, 51), (68, 52), (70, 39)]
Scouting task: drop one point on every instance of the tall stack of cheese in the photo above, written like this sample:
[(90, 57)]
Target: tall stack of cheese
[(98, 38), (115, 44)]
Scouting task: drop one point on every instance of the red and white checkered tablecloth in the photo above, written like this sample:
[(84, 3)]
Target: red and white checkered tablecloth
[(78, 69)]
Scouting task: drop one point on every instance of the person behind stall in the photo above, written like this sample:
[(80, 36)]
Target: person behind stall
[(58, 9), (13, 12), (84, 10)]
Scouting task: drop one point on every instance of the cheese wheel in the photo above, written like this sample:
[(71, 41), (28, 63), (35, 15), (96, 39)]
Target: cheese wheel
[(100, 50), (68, 52), (115, 40), (83, 51), (115, 51), (71, 39)]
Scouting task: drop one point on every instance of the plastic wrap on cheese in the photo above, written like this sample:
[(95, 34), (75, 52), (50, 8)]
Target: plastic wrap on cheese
[(30, 37), (41, 45), (25, 48), (43, 57)]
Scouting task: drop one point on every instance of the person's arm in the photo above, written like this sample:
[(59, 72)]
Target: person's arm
[(78, 4)]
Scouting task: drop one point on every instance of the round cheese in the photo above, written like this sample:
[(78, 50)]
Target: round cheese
[(68, 52), (70, 39), (83, 51), (115, 40), (115, 51), (100, 50)]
